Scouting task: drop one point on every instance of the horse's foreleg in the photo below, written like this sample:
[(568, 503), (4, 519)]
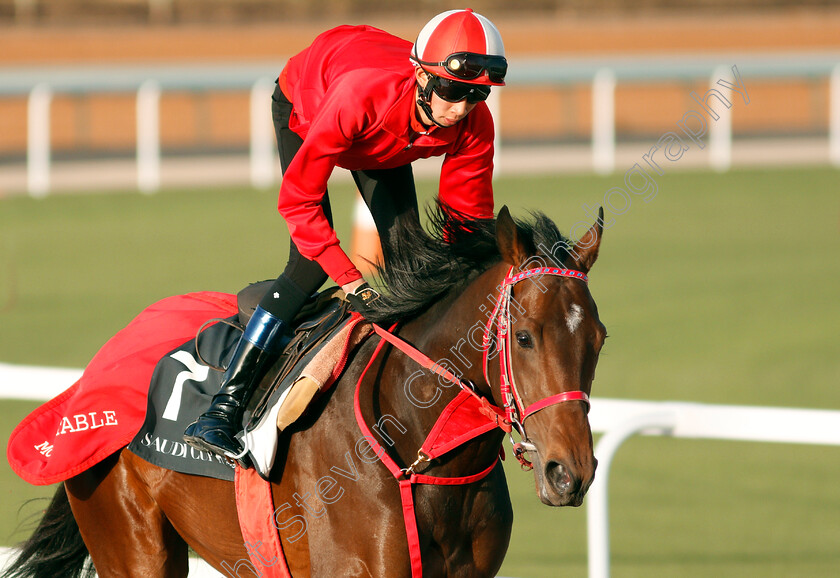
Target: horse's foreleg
[(124, 529)]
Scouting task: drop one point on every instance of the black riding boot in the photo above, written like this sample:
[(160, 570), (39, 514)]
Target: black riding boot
[(260, 345)]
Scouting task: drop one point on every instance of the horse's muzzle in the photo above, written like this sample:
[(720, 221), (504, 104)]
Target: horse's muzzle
[(560, 485)]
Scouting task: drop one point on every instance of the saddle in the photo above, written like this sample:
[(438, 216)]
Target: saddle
[(284, 393)]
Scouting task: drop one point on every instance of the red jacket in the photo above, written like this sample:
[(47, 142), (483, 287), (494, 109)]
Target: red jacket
[(353, 96)]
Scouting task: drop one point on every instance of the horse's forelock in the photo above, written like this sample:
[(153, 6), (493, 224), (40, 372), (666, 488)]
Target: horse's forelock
[(547, 242)]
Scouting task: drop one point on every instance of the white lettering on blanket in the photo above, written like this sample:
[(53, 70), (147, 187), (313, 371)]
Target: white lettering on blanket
[(80, 421), (45, 448), (181, 450)]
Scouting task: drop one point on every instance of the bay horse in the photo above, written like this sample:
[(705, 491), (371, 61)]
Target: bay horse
[(341, 514)]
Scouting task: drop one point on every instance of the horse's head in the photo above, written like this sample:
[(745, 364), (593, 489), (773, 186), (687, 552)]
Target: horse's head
[(553, 341)]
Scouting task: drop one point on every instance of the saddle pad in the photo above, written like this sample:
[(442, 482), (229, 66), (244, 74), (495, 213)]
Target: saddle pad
[(181, 390), (104, 410)]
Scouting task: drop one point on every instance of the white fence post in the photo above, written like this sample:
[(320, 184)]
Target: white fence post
[(603, 122), (597, 499), (720, 131), (834, 121), (262, 155), (38, 141), (148, 137)]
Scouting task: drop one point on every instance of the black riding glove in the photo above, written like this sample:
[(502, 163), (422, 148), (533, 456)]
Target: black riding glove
[(363, 299)]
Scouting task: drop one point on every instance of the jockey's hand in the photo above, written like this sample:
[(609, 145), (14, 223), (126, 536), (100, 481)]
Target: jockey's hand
[(362, 299)]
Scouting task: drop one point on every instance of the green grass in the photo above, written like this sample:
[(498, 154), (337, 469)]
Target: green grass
[(721, 289)]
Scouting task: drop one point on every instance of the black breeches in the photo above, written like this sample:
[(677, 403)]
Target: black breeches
[(389, 194)]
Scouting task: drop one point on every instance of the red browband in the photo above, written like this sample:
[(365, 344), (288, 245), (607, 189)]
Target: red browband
[(556, 271)]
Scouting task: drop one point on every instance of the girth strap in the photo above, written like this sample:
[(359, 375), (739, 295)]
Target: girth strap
[(407, 497), (411, 532)]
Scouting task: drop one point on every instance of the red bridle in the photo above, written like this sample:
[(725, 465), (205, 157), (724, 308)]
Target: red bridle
[(515, 411), (505, 419)]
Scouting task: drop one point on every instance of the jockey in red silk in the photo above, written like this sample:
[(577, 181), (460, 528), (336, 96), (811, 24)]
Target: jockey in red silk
[(364, 100)]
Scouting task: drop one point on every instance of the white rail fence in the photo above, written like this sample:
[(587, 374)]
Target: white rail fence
[(617, 420), (40, 84), (198, 567)]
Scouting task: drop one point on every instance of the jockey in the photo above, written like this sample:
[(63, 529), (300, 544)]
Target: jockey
[(367, 101)]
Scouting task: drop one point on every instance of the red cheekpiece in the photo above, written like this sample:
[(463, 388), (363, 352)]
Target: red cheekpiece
[(353, 92)]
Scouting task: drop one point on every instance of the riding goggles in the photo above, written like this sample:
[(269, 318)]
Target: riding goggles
[(469, 66), (453, 91)]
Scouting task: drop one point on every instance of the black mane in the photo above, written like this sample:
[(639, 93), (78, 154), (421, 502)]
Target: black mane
[(421, 265)]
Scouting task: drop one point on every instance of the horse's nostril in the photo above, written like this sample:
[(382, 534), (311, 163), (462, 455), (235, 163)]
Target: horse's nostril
[(558, 476)]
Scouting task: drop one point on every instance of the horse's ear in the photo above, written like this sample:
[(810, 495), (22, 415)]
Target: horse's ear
[(585, 251), (510, 245)]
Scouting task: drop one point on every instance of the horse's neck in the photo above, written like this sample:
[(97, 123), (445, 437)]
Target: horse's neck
[(440, 333), (451, 331)]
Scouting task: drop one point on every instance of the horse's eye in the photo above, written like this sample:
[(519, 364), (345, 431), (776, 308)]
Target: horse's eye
[(523, 339)]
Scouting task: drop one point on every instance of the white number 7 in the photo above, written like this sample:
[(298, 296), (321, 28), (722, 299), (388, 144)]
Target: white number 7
[(195, 371)]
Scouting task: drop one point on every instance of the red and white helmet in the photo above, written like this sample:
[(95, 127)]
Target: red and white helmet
[(463, 46)]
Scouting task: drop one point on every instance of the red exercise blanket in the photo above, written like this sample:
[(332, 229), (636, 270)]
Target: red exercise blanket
[(102, 412)]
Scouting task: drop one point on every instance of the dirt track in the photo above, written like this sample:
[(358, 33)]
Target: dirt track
[(728, 32), (220, 121)]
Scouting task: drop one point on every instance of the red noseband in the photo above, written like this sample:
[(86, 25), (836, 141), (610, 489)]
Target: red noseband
[(555, 399)]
